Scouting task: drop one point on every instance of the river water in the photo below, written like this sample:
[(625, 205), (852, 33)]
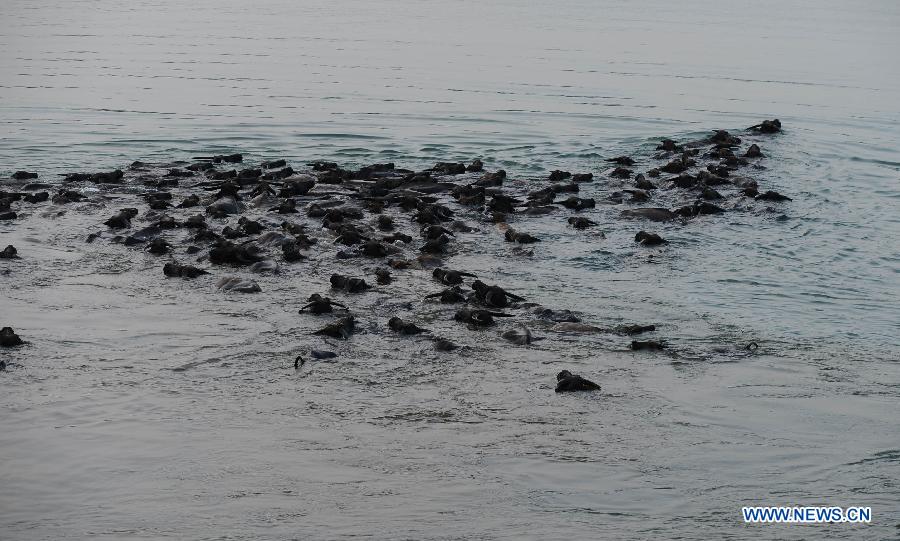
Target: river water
[(147, 408)]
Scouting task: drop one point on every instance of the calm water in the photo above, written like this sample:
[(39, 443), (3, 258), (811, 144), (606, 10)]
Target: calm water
[(146, 408)]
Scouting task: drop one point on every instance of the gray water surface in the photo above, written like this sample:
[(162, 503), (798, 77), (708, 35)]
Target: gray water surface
[(152, 408)]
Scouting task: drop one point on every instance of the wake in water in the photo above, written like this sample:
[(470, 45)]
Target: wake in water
[(380, 221)]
